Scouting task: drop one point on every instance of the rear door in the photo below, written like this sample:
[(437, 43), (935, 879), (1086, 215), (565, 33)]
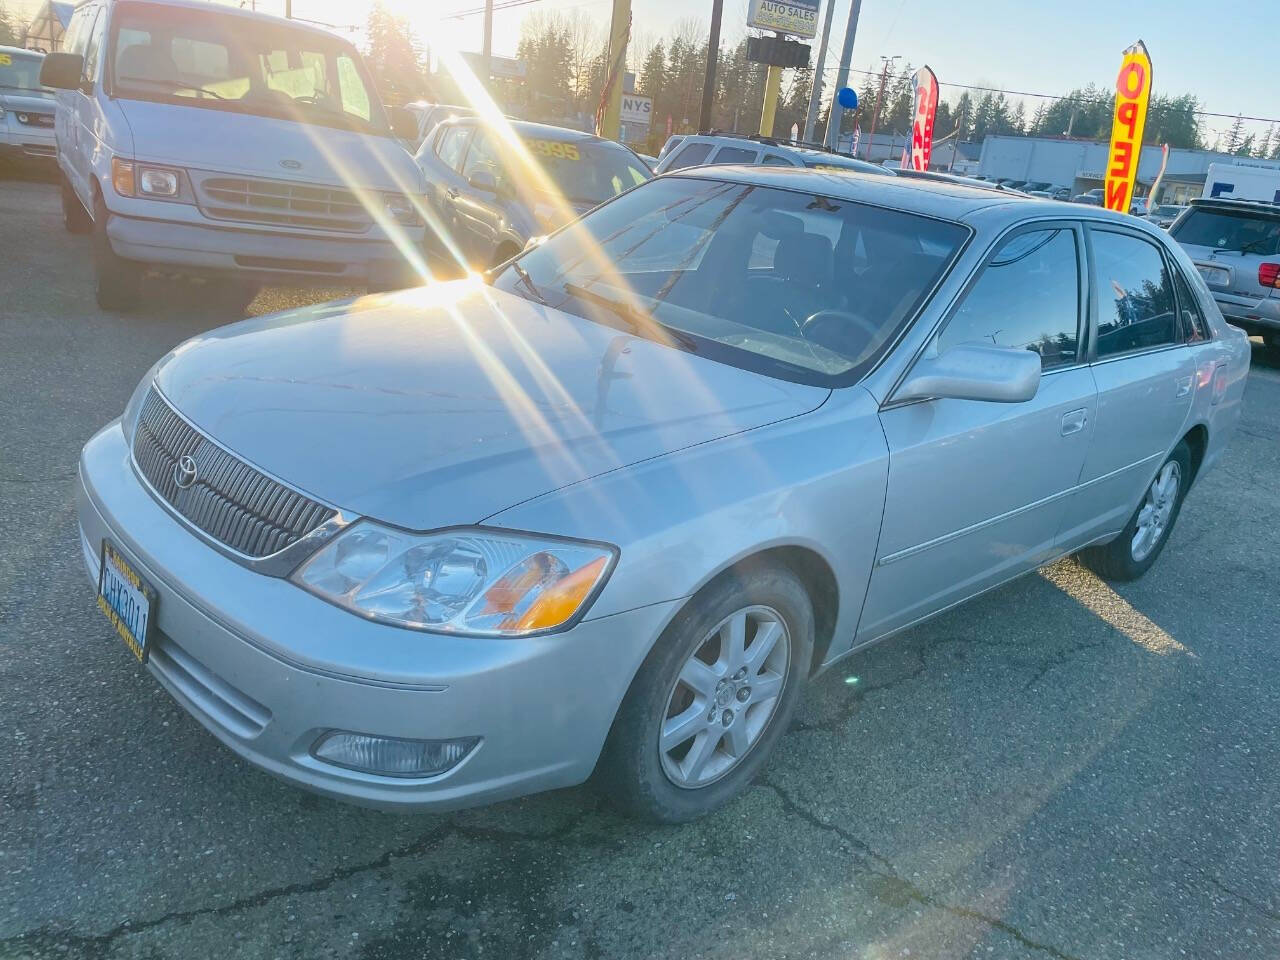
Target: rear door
[(977, 490), (1146, 377)]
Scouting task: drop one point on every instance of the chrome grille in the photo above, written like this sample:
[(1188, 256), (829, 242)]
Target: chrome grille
[(252, 200), (229, 500)]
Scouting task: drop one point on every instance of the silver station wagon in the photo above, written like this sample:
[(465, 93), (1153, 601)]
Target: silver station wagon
[(608, 512)]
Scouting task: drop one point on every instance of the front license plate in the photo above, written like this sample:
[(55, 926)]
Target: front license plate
[(127, 601), (1215, 275)]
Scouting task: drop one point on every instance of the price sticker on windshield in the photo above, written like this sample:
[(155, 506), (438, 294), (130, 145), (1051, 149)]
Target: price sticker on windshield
[(553, 148)]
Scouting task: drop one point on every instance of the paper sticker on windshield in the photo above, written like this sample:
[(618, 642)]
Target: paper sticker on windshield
[(6, 60), (553, 148)]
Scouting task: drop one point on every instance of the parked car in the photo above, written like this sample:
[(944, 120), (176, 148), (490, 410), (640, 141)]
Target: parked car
[(1091, 199), (1163, 214), (1035, 185), (1060, 193), (488, 198), (26, 107), (650, 161), (1039, 194), (613, 511), (200, 139), (429, 114), (710, 149), (1235, 245), (940, 177)]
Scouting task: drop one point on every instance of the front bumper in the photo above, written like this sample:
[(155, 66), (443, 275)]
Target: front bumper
[(268, 668), (272, 257)]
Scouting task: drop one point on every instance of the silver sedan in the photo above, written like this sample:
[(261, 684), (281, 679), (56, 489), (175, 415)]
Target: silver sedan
[(610, 511)]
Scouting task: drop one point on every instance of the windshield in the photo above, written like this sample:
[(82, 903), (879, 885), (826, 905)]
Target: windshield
[(588, 172), (796, 285), (227, 62), (1240, 231), (21, 73)]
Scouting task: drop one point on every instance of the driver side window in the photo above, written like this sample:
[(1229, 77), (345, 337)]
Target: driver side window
[(482, 158), (1027, 296)]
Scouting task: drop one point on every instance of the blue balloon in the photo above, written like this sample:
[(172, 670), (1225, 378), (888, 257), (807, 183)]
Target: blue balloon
[(848, 98)]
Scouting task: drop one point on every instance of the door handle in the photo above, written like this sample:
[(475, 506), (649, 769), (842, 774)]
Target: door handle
[(1074, 421), (451, 193), (1184, 385)]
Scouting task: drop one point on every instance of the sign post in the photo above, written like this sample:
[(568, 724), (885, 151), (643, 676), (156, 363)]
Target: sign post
[(1133, 93), (798, 18)]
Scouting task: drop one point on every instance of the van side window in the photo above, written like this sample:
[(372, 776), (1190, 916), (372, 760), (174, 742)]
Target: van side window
[(93, 49), (690, 156), (78, 30), (355, 98)]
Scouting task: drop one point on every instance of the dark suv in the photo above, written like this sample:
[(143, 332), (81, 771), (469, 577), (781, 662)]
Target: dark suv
[(1236, 247)]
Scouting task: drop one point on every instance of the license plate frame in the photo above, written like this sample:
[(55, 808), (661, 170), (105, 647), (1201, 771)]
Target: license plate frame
[(1215, 276), (137, 597)]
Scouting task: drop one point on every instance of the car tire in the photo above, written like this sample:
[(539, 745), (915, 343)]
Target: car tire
[(117, 281), (74, 216), (1130, 555), (636, 772), (1272, 339)]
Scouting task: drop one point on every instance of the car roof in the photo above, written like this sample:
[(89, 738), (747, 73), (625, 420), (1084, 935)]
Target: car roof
[(1227, 205), (931, 198), (228, 10)]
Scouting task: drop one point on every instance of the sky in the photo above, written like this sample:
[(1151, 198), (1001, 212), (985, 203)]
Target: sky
[(1224, 54)]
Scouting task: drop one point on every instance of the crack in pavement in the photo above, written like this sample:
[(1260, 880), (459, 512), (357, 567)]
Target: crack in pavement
[(96, 945), (906, 888), (1234, 894)]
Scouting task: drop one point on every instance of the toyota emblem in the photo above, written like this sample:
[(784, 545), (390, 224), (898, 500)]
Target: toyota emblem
[(184, 472)]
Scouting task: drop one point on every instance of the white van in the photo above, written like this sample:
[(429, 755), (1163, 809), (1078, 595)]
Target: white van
[(197, 138), (1242, 181)]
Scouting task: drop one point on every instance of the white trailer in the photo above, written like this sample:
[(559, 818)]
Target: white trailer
[(1232, 181)]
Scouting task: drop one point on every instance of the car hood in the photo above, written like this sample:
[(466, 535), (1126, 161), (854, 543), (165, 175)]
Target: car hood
[(447, 404), (219, 140)]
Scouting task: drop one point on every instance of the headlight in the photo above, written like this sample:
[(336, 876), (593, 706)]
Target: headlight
[(130, 418), (477, 581), (144, 180), (401, 208)]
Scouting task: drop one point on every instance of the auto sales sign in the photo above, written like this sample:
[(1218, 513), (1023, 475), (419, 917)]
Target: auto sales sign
[(798, 18), (1133, 93)]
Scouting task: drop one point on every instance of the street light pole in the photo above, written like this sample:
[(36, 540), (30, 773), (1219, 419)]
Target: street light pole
[(713, 57), (815, 95), (875, 117), (834, 115)]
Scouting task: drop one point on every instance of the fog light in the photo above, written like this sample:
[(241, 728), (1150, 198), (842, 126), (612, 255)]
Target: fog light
[(390, 756)]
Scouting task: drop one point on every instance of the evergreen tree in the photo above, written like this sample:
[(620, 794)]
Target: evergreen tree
[(1018, 120), (391, 57), (653, 72), (963, 116), (1235, 135)]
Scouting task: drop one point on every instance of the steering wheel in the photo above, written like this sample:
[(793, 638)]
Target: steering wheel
[(836, 322)]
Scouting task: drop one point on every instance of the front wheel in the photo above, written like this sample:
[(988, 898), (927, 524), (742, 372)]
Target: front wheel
[(712, 698), (117, 281), (1131, 554)]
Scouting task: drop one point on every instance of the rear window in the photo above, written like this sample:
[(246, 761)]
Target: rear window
[(690, 156), (791, 284), (1240, 231)]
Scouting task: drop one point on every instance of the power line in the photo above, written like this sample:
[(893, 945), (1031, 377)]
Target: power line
[(507, 5)]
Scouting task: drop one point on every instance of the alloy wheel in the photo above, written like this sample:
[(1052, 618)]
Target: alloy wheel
[(1156, 511)]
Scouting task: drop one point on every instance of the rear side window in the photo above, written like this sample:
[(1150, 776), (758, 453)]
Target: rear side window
[(773, 160), (1028, 295), (1194, 327), (690, 156), (735, 155), (451, 145), (1241, 231), (1136, 308)]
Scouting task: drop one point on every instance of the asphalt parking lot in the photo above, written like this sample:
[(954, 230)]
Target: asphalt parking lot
[(1058, 769)]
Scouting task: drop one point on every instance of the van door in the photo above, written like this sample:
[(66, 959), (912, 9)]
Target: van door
[(87, 110), (1146, 378)]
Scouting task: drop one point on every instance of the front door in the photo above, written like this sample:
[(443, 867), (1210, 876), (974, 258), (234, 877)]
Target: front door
[(479, 209), (1146, 380), (977, 490)]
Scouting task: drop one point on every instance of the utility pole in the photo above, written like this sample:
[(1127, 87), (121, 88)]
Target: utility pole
[(836, 113), (609, 113), (713, 57), (288, 9), (486, 47), (772, 87), (815, 95), (875, 117)]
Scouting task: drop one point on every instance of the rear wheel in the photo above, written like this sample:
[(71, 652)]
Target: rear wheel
[(74, 216), (712, 698), (1131, 554), (118, 282)]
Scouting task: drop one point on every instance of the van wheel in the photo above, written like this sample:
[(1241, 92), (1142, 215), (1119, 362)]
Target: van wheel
[(74, 217), (117, 281), (1131, 554), (713, 697)]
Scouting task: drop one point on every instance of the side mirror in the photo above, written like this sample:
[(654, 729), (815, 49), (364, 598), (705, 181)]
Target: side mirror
[(483, 180), (62, 71), (403, 123), (972, 371)]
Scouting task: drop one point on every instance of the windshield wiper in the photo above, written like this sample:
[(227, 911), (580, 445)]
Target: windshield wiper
[(640, 321), (527, 280), (172, 87)]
